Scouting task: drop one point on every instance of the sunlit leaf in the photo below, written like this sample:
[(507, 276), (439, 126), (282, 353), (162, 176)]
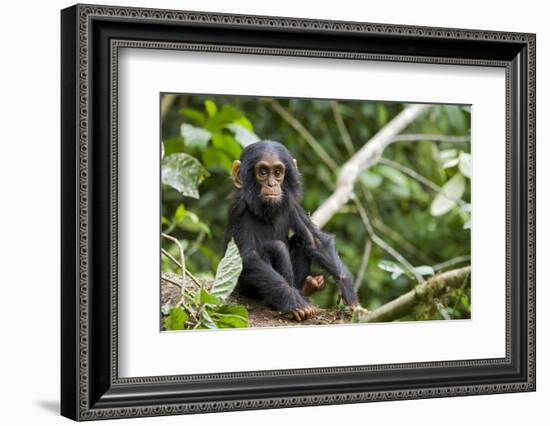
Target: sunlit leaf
[(465, 164), (184, 173), (176, 319), (450, 193), (244, 136), (231, 316), (195, 137), (228, 272), (211, 107)]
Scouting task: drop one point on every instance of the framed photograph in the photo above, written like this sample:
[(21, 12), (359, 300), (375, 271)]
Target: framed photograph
[(263, 212)]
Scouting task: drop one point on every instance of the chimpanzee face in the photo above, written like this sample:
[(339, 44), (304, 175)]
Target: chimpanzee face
[(270, 175)]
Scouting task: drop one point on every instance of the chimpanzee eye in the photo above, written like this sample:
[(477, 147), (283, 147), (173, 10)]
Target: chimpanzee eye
[(277, 173), (263, 172)]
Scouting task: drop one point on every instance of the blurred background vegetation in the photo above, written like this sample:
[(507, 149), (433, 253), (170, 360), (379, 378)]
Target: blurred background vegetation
[(407, 196)]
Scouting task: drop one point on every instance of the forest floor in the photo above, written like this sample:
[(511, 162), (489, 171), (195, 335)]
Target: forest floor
[(263, 316)]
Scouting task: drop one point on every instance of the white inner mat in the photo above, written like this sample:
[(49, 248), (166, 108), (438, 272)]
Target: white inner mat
[(144, 351)]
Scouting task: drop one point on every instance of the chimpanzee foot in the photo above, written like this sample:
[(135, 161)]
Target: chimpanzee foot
[(313, 284), (304, 312)]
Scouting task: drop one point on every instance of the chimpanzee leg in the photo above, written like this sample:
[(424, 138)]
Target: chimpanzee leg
[(301, 264), (276, 254)]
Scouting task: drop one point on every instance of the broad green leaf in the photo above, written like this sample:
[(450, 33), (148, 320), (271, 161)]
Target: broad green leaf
[(228, 272), (206, 320), (189, 221), (244, 136), (465, 164), (231, 316), (456, 117), (227, 144), (173, 145), (447, 154), (194, 115), (176, 319), (195, 137), (211, 107), (450, 193), (208, 299), (450, 163), (213, 158), (184, 173), (245, 122)]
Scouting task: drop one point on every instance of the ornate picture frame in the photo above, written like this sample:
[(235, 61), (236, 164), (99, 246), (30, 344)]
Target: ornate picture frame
[(91, 39)]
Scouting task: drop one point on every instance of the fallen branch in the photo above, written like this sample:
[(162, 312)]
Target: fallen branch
[(431, 289)]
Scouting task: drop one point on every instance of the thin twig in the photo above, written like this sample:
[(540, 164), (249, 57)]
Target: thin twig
[(299, 127), (380, 242), (364, 264), (180, 265), (451, 262), (346, 138), (379, 224), (411, 173)]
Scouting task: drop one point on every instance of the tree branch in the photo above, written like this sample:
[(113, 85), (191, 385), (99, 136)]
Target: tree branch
[(431, 289), (363, 159)]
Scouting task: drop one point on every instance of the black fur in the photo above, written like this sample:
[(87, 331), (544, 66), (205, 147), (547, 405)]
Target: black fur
[(274, 266)]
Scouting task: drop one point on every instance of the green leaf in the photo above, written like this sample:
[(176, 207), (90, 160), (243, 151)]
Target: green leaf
[(176, 319), (231, 316), (450, 163), (184, 173), (227, 144), (213, 158), (450, 193), (206, 320), (211, 107), (195, 137), (228, 272), (194, 115), (173, 145), (244, 136), (456, 117), (189, 221), (395, 269), (208, 299), (424, 270), (465, 164)]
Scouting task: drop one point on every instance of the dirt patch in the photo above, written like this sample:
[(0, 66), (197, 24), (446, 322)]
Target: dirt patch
[(259, 315)]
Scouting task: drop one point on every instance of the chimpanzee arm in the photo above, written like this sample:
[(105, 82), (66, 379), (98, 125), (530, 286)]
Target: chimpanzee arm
[(320, 247)]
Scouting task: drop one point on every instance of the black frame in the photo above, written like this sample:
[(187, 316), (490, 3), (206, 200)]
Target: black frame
[(91, 37)]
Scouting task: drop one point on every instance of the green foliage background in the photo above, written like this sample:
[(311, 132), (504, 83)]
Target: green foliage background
[(402, 210)]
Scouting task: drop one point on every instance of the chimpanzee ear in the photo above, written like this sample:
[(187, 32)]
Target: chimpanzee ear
[(235, 168), (295, 163)]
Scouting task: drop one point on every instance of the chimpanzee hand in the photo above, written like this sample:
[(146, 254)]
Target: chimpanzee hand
[(304, 312), (313, 284)]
